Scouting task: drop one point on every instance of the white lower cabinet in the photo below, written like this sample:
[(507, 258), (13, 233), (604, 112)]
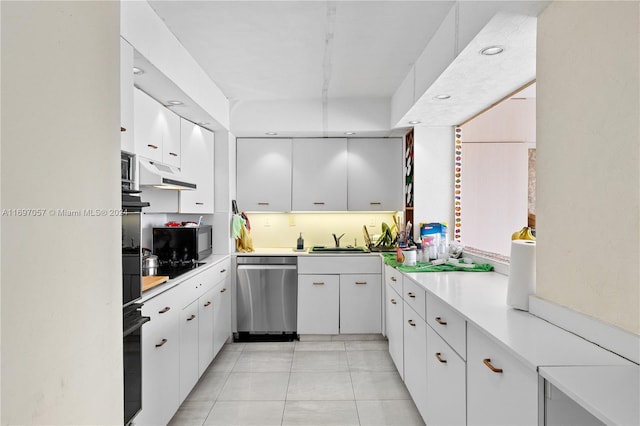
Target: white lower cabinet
[(339, 294), (160, 360), (395, 328), (221, 313), (415, 355), (446, 385), (188, 349), (360, 303), (500, 389), (206, 336), (318, 304), (189, 324)]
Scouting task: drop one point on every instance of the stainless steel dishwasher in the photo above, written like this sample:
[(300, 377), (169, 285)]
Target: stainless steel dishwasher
[(267, 297)]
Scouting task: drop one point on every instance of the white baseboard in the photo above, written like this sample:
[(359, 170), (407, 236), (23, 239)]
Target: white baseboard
[(612, 338)]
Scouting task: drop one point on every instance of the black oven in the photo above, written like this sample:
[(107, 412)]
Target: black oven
[(132, 321), (131, 250)]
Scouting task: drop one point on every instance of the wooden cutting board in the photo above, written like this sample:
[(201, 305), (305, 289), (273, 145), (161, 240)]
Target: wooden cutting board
[(152, 281)]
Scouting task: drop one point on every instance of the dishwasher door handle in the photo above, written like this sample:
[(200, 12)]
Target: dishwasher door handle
[(263, 267)]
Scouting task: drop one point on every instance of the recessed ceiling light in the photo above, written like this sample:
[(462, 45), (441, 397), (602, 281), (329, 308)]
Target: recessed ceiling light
[(415, 122), (174, 103), (492, 50), (137, 71), (441, 97), (349, 133), (203, 123), (271, 133)]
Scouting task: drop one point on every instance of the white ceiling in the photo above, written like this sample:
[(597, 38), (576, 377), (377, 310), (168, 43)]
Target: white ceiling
[(307, 49)]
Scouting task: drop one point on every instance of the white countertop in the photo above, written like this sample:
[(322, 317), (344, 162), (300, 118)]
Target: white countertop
[(209, 262), (610, 393), (289, 251), (480, 297)]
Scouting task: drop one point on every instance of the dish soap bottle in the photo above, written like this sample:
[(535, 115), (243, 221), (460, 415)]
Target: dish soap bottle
[(300, 244)]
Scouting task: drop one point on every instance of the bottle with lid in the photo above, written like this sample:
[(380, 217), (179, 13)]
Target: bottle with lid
[(300, 244)]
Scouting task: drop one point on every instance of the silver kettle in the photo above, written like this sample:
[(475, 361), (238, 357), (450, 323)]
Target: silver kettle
[(150, 263)]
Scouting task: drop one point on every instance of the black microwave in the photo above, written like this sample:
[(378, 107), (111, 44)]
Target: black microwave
[(182, 242)]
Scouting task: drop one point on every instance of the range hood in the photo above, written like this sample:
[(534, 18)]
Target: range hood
[(162, 176)]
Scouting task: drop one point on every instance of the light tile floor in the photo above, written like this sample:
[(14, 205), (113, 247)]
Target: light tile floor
[(320, 380)]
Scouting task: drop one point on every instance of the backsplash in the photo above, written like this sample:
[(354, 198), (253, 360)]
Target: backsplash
[(281, 230)]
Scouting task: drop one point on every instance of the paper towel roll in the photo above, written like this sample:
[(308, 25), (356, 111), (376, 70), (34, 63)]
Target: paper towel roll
[(522, 274)]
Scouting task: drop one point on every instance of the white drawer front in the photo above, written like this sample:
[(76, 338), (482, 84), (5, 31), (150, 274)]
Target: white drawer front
[(393, 277), (448, 324), (415, 296)]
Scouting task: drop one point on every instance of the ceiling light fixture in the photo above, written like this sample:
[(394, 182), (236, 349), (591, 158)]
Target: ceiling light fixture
[(203, 123), (492, 50), (415, 122), (441, 97), (271, 133), (349, 133), (138, 71), (174, 103)]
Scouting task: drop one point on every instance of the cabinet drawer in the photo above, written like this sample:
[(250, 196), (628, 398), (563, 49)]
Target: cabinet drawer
[(446, 383), (415, 296), (393, 277), (349, 264), (500, 389), (221, 270), (448, 324)]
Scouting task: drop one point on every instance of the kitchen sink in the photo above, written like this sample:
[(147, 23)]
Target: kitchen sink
[(340, 250)]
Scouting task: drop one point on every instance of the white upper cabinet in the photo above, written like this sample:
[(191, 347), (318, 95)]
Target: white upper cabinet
[(319, 174), (197, 167), (264, 174), (156, 130), (375, 174), (126, 97), (171, 152)]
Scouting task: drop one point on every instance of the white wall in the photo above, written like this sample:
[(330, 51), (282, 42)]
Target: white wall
[(588, 163), (61, 276), (494, 194), (433, 176)]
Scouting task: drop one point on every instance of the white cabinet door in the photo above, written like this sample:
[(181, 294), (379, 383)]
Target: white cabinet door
[(318, 304), (375, 174), (319, 174), (221, 314), (188, 349), (197, 167), (263, 175), (147, 126), (500, 389), (170, 122), (394, 325), (160, 361), (360, 303), (415, 354), (446, 384), (205, 330), (126, 97)]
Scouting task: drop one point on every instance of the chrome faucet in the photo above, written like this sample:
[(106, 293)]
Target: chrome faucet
[(337, 239)]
